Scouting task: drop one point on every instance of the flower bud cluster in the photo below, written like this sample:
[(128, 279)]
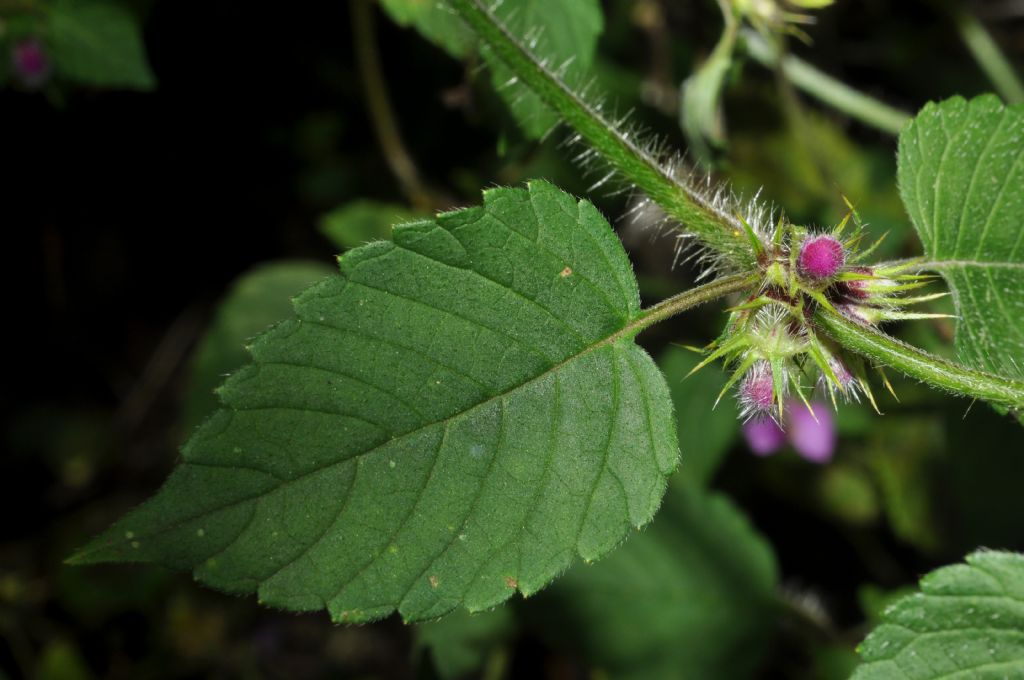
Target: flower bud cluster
[(771, 339)]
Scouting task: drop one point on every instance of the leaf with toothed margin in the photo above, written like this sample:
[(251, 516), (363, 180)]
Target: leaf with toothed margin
[(967, 622), (961, 176), (454, 418)]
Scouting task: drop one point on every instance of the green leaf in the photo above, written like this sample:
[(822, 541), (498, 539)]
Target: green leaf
[(700, 97), (98, 43), (691, 597), (256, 300), (459, 644), (361, 222), (453, 418), (961, 176), (967, 622), (709, 431), (435, 22), (564, 32)]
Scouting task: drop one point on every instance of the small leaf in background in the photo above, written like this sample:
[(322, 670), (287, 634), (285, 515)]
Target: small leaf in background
[(564, 30), (99, 43), (460, 643), (257, 299), (450, 420), (435, 22), (967, 622), (361, 222), (700, 105), (962, 182), (705, 433), (691, 597)]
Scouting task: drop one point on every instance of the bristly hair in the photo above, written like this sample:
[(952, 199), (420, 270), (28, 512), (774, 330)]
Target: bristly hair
[(710, 221)]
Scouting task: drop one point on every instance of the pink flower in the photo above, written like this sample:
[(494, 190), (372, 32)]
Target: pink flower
[(812, 436), (764, 436), (821, 257), (31, 62), (757, 391)]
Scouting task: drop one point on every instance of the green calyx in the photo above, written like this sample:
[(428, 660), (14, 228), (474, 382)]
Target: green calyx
[(772, 331)]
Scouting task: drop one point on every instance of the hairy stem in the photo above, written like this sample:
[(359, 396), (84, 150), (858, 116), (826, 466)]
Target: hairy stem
[(720, 230), (691, 298), (825, 88), (919, 364)]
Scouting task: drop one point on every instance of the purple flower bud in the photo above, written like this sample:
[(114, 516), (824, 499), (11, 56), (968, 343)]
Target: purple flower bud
[(813, 436), (31, 62), (764, 436), (757, 391), (821, 257), (858, 288)]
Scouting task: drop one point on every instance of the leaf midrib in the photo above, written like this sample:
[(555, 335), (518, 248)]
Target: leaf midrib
[(634, 324)]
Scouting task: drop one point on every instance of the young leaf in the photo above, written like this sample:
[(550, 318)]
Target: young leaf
[(967, 622), (691, 597), (453, 418), (99, 43), (257, 299), (435, 22), (359, 222), (459, 644), (961, 176)]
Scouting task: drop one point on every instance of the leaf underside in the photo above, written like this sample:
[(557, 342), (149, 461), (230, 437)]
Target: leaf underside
[(967, 622), (453, 418), (961, 176)]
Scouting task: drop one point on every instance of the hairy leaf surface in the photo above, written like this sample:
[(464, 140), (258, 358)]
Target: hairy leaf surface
[(967, 622), (961, 175), (453, 418)]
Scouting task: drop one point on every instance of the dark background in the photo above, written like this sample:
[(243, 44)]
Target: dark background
[(127, 215)]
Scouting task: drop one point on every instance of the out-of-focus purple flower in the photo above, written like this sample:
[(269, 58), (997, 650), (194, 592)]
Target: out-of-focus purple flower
[(764, 436), (814, 440), (31, 62), (812, 435)]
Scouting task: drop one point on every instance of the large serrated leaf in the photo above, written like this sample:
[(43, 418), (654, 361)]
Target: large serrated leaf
[(961, 176), (453, 418), (967, 622)]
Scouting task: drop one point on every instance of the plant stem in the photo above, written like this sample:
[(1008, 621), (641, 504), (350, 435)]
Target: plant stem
[(691, 298), (825, 88), (919, 364), (701, 215), (985, 51), (378, 102)]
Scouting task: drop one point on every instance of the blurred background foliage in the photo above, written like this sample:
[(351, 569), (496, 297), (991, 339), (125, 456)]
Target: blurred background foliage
[(175, 171)]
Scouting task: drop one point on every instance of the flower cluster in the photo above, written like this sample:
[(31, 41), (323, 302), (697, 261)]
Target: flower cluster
[(771, 340)]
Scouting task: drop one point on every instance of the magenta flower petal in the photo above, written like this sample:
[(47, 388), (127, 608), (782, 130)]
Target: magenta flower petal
[(814, 439), (764, 436)]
